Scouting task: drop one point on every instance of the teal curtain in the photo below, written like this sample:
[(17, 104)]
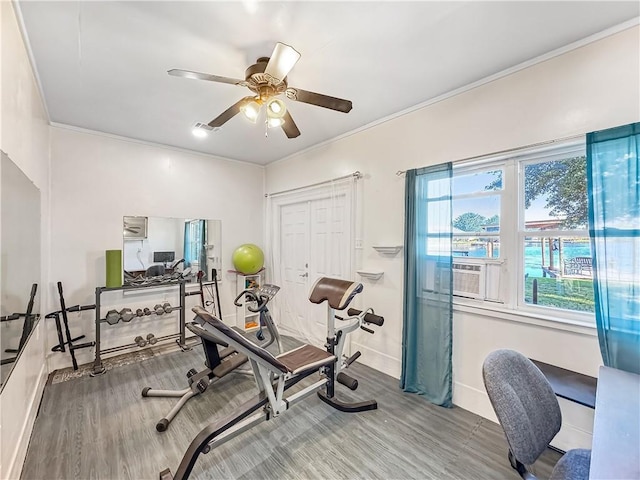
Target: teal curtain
[(195, 244), (428, 307), (202, 244), (613, 176), (188, 258)]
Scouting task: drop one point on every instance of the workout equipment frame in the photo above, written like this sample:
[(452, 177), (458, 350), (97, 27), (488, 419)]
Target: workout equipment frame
[(275, 375), (180, 337), (69, 342), (219, 363), (98, 367)]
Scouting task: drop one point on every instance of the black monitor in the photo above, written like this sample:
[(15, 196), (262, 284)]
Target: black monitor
[(164, 257)]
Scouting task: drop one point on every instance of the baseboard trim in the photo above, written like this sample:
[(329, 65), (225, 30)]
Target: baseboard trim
[(379, 361), (473, 400), (20, 453), (570, 435)]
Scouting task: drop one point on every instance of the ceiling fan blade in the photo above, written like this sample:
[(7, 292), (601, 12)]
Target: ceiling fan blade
[(204, 76), (320, 100), (228, 114), (282, 60), (289, 126)]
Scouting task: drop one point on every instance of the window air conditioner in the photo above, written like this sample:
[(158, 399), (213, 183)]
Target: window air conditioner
[(469, 280)]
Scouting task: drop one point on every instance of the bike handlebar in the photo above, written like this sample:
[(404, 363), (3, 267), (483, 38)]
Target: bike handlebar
[(261, 300)]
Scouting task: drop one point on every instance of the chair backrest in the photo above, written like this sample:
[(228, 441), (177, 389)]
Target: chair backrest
[(155, 271), (524, 403)]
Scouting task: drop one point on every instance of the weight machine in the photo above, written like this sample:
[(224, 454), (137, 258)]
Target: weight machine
[(276, 374), (218, 362)]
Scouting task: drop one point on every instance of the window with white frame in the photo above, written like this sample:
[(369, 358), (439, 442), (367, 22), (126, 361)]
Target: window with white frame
[(476, 204), (520, 226)]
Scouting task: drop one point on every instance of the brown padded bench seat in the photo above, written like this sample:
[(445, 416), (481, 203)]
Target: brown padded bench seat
[(338, 293), (295, 361), (305, 358)]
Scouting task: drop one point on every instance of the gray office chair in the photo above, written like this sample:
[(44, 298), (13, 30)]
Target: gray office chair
[(155, 271), (529, 413)]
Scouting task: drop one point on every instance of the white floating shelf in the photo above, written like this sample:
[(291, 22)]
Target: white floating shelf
[(384, 250), (371, 275)]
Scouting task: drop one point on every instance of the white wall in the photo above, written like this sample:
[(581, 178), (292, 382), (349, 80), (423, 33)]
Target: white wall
[(24, 136), (590, 88), (98, 179)]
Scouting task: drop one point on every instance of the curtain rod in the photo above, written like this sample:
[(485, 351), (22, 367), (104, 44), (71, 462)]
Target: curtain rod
[(399, 173), (357, 175)]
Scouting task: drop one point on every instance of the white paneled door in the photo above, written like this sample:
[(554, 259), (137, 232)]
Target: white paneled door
[(294, 254), (315, 240)]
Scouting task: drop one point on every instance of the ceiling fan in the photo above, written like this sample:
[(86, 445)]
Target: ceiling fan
[(267, 79)]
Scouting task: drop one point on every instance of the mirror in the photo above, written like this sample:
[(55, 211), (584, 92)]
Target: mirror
[(158, 249), (20, 261)]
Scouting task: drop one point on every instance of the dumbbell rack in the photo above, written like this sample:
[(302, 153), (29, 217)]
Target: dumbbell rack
[(98, 367)]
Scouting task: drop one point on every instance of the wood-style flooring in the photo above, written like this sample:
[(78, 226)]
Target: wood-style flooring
[(101, 428)]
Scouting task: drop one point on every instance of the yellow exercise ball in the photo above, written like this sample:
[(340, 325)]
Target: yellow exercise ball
[(248, 259)]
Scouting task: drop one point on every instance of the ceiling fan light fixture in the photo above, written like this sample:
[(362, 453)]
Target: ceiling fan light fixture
[(267, 79), (251, 110), (275, 122), (276, 108)]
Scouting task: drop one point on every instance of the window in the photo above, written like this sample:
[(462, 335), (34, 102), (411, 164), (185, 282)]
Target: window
[(476, 201), (554, 239), (520, 232)]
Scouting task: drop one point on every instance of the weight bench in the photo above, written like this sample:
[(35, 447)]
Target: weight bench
[(219, 363), (276, 374)]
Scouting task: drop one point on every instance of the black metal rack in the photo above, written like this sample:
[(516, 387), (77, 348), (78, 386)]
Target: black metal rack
[(98, 367)]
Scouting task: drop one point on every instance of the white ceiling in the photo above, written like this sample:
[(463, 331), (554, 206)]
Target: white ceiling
[(102, 65)]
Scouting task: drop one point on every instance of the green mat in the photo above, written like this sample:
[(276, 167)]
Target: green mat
[(114, 268)]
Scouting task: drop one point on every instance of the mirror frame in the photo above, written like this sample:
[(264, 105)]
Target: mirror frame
[(17, 189)]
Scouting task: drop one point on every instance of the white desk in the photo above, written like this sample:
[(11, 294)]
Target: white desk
[(615, 452)]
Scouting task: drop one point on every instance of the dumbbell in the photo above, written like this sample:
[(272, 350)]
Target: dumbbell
[(126, 314), (139, 312), (141, 342), (167, 307), (158, 309), (202, 385), (147, 311), (112, 317), (151, 338)]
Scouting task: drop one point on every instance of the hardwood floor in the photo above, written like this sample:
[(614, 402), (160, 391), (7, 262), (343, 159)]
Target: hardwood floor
[(101, 428)]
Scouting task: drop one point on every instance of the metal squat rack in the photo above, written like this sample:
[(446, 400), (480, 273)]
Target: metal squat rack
[(98, 367)]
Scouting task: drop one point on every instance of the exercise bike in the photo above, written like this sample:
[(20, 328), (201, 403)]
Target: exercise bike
[(220, 362)]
